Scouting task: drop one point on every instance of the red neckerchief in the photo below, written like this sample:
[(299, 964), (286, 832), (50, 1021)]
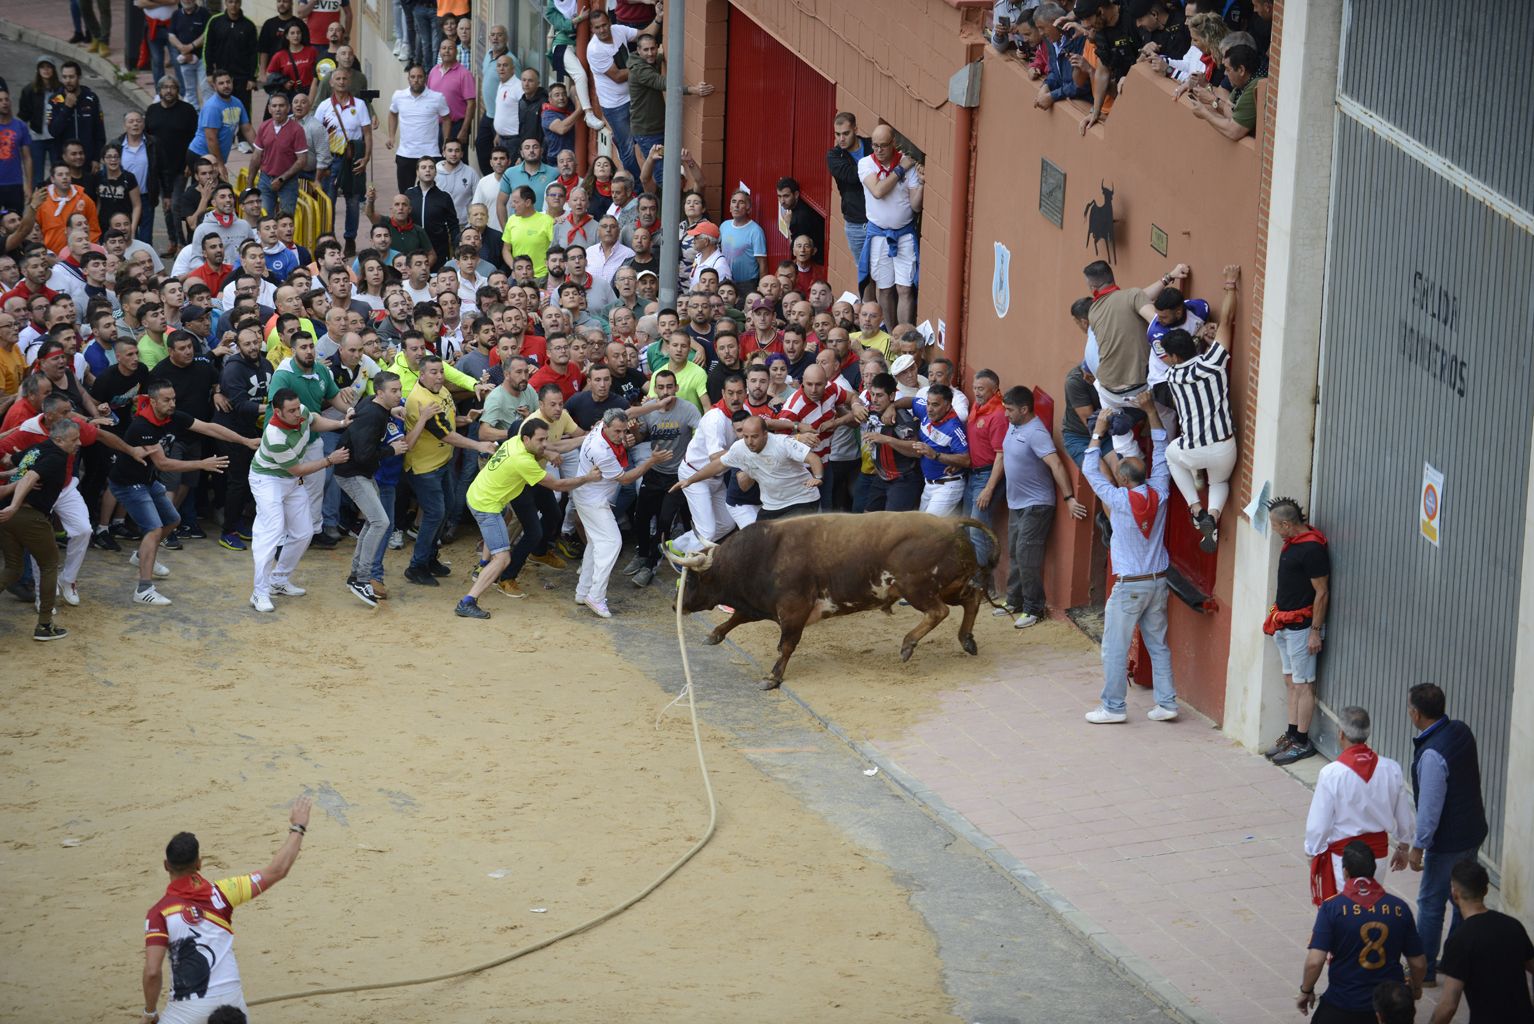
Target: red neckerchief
[(1107, 289), (284, 424), (988, 406), (1143, 507), (144, 409), (728, 412), (603, 188), (562, 111), (586, 284), (765, 409), (1310, 536), (851, 360), (222, 220), (569, 183), (1361, 759), (1366, 892), (620, 452), (409, 224), (884, 172), (575, 228), (651, 226)]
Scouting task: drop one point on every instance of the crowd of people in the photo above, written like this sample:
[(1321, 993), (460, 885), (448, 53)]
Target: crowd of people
[(1082, 50)]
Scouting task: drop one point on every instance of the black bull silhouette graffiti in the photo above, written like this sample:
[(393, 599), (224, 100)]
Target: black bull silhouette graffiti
[(1099, 217)]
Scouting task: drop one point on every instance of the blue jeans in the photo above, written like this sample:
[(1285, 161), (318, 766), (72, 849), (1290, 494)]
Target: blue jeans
[(1076, 446), (74, 16), (275, 196), (42, 149), (148, 504), (191, 77), (430, 491), (645, 143), (492, 530), (423, 45), (856, 234), (145, 231), (618, 121), (386, 496), (1140, 603), (330, 505), (160, 51), (1432, 894), (978, 478)]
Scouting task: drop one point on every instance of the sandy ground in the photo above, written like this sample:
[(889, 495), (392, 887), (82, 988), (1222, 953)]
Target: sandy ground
[(441, 752), (849, 670)]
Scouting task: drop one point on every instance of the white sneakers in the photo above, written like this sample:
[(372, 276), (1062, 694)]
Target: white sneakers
[(1025, 620), (262, 603), (1102, 716), (150, 597), (160, 572), (597, 606), (69, 592), (288, 590)]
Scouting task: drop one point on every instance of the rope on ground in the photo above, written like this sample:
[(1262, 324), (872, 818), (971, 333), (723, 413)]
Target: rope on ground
[(605, 916)]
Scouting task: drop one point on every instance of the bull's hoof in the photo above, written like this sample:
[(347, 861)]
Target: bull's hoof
[(907, 651), (714, 639), (968, 643), (770, 683)]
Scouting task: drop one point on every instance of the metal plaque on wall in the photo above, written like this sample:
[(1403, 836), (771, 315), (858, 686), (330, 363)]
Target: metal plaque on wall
[(1052, 192)]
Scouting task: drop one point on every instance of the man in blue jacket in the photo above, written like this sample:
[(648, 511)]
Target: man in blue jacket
[(1451, 818)]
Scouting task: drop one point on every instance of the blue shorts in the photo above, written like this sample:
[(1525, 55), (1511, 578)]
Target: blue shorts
[(148, 504), (492, 528)]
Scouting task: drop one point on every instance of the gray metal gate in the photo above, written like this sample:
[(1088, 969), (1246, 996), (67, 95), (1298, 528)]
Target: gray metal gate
[(1427, 358)]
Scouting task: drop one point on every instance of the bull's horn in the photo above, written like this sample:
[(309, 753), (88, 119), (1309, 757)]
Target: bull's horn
[(710, 545), (695, 560)]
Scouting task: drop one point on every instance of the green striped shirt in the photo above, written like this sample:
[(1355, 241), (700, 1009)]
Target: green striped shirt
[(282, 450)]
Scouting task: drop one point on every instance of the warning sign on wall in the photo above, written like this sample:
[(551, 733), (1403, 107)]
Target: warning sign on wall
[(1430, 509)]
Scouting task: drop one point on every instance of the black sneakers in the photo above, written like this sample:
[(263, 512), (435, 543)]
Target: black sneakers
[(49, 632), (363, 591), (1296, 752), (1206, 525), (421, 577)]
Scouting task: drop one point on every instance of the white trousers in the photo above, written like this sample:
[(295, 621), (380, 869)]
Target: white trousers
[(711, 518), (603, 542), (569, 466), (76, 519), (313, 485), (942, 499), (283, 518), (1216, 460), (744, 515), (197, 1011)]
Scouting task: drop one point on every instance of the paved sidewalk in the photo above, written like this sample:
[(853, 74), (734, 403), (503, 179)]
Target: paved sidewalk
[(1179, 852)]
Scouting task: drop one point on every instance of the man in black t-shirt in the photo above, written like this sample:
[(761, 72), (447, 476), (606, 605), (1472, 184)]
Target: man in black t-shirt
[(25, 528), (1117, 42), (1297, 621), (156, 427), (586, 407), (194, 377), (1488, 958)]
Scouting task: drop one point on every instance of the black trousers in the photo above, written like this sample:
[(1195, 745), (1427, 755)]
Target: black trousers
[(404, 170), (836, 490), (484, 142), (236, 486), (903, 494), (96, 460), (537, 510), (655, 510), (808, 508)]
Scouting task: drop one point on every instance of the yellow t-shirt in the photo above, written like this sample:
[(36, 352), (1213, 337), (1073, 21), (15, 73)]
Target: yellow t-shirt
[(13, 367), (557, 430), (502, 479), (430, 451), (880, 342), (530, 236)]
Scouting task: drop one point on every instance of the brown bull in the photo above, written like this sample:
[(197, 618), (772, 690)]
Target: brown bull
[(801, 570)]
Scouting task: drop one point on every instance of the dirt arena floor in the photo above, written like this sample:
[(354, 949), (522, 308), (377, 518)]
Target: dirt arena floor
[(466, 775)]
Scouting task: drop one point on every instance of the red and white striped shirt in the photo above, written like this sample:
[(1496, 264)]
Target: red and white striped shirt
[(813, 415)]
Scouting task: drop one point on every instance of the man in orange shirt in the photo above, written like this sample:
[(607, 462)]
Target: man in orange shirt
[(62, 201)]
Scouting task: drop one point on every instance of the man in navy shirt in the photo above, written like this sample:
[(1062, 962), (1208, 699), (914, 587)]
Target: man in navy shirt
[(1365, 932)]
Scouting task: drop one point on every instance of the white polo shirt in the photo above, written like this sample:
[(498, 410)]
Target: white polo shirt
[(778, 469), (508, 103), (600, 56), (597, 453), (418, 124)]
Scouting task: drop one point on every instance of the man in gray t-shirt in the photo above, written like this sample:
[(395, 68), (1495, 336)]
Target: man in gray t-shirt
[(1034, 474), (657, 505)]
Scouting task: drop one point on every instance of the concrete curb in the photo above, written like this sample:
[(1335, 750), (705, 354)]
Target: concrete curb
[(1127, 964), (95, 63)]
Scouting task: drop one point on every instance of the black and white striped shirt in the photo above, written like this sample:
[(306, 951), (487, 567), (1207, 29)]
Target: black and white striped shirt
[(1201, 390)]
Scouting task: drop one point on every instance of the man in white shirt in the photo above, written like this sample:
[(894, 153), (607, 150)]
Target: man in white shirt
[(716, 432), (784, 468), (604, 450), (1361, 795), (220, 220), (508, 102), (417, 118), (489, 188), (607, 53), (940, 371), (456, 178), (892, 195), (708, 256)]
